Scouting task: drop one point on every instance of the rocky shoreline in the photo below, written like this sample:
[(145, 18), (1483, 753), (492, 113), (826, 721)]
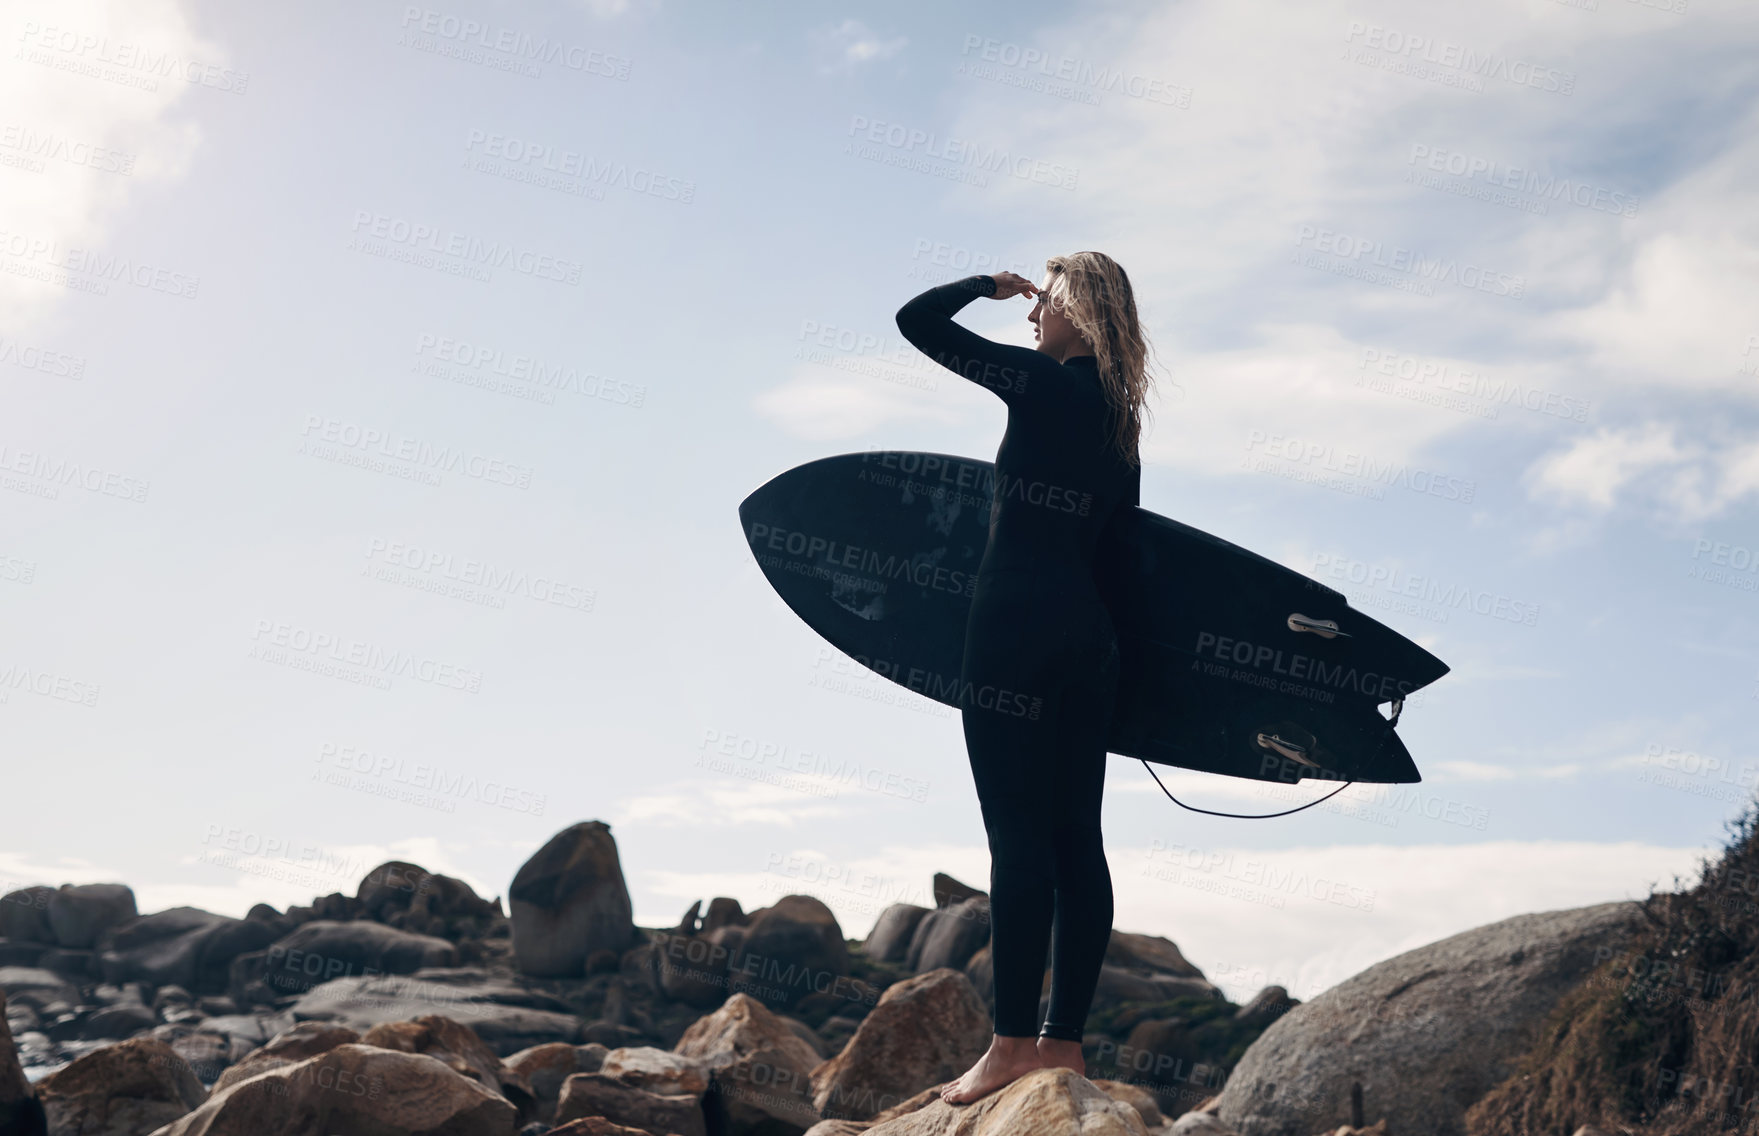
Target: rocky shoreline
[(417, 1006)]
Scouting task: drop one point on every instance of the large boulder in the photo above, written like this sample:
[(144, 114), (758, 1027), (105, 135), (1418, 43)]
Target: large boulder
[(210, 1052), (950, 935), (323, 949), (181, 946), (1044, 1102), (79, 913), (889, 941), (411, 898), (925, 1030), (596, 1094), (125, 1089), (353, 1088), (24, 915), (307, 1039), (760, 1070), (1425, 1033), (656, 1070), (507, 1017), (462, 1051), (547, 1067), (693, 967), (789, 951), (568, 901), (20, 1111)]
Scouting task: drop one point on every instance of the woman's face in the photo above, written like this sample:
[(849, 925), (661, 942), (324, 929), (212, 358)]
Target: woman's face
[(1055, 334)]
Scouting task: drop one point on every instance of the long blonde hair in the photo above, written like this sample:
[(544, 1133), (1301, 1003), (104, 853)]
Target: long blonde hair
[(1092, 292)]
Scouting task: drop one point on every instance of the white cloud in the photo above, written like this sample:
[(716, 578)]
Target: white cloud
[(851, 43), (830, 408)]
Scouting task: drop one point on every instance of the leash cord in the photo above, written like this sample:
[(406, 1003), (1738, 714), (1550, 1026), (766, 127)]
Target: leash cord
[(1240, 816)]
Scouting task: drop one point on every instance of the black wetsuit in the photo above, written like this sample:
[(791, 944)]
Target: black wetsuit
[(1041, 661)]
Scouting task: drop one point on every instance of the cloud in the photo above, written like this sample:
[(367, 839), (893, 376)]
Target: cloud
[(732, 801), (850, 44), (832, 407), (58, 119)]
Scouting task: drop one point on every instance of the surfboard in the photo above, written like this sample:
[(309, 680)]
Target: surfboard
[(1228, 661)]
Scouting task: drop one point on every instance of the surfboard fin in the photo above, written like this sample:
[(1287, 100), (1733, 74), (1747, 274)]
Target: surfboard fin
[(1294, 751), (1324, 628)]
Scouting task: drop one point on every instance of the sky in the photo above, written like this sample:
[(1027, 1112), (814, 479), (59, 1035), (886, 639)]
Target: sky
[(380, 383)]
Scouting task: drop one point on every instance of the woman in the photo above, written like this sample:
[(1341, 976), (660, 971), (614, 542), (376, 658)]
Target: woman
[(1038, 628)]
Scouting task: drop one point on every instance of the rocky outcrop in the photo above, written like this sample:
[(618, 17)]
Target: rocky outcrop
[(789, 951), (506, 1016), (596, 1094), (1425, 1033), (1044, 1102), (889, 941), (949, 936), (569, 901), (925, 1030), (546, 1068), (760, 1071), (79, 913), (411, 898), (461, 1050), (352, 1088), (181, 946), (307, 1039), (120, 1090), (324, 949)]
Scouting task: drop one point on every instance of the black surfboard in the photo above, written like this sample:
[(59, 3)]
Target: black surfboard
[(1230, 662)]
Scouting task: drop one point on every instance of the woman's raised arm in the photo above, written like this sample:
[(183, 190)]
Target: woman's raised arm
[(927, 322)]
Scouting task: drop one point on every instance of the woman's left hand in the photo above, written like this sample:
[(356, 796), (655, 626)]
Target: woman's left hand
[(1009, 285)]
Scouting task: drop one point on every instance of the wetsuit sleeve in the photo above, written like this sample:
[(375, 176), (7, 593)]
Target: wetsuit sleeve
[(927, 322)]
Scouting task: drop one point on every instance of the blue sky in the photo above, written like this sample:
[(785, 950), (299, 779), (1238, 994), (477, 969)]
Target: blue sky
[(381, 382)]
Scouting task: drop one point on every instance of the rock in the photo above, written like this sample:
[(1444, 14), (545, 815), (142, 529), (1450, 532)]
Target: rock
[(462, 1051), (1044, 1102), (723, 911), (949, 936), (925, 1030), (411, 898), (889, 941), (21, 1114), (1148, 952), (36, 987), (210, 1052), (321, 950), (499, 1012), (760, 1071), (76, 965), (1136, 1097), (125, 1089), (118, 1021), (24, 915), (595, 1094), (1425, 1033), (545, 1067), (307, 1039), (216, 1006), (1196, 1123), (352, 1088), (595, 1126), (611, 1035), (568, 901), (656, 1070), (79, 913), (17, 952), (789, 950), (1266, 1007), (806, 1033), (693, 968), (949, 891), (182, 946), (171, 996)]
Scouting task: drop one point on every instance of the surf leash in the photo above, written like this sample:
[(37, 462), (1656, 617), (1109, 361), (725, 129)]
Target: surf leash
[(1241, 816)]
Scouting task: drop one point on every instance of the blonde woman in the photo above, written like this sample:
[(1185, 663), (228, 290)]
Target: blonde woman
[(1040, 670)]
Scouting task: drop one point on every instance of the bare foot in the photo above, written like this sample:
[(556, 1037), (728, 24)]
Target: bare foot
[(1055, 1053), (1007, 1059)]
